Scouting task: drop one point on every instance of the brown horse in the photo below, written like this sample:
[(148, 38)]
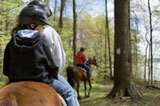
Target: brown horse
[(28, 93), (79, 74)]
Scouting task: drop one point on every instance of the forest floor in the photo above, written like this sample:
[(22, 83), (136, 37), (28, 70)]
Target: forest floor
[(98, 97), (100, 89)]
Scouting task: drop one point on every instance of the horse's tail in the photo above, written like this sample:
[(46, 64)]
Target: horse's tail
[(70, 77), (8, 101)]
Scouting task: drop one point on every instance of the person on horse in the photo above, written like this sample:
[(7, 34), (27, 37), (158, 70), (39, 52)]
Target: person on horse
[(35, 52), (80, 59)]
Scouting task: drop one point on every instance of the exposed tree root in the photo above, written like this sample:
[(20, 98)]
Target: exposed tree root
[(129, 91)]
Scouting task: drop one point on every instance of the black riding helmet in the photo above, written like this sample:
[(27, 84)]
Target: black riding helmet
[(33, 15), (43, 5)]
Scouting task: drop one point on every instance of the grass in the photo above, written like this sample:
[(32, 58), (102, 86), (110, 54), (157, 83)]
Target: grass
[(98, 97)]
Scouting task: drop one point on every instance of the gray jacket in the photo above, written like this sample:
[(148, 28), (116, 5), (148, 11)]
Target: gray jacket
[(56, 47)]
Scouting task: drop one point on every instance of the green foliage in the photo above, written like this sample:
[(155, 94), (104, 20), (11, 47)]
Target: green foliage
[(65, 36), (90, 33), (3, 41), (9, 10), (137, 58)]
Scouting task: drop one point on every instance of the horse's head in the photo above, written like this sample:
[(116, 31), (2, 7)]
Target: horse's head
[(91, 61), (94, 61)]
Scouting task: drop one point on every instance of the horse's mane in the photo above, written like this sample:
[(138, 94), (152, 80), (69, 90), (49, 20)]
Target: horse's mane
[(89, 61)]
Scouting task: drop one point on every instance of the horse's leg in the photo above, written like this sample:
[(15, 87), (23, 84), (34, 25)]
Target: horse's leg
[(78, 85), (90, 86), (85, 88)]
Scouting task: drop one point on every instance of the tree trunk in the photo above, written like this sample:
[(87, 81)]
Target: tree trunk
[(123, 83), (149, 67), (61, 15), (55, 9), (6, 26), (74, 29), (105, 40), (146, 54), (135, 52), (151, 54), (108, 38), (145, 62)]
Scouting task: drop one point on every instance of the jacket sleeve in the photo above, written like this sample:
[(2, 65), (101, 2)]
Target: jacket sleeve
[(50, 62), (6, 60), (56, 47)]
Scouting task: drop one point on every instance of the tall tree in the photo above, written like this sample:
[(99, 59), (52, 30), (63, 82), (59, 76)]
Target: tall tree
[(61, 15), (109, 46), (55, 9), (151, 50), (74, 29), (123, 82)]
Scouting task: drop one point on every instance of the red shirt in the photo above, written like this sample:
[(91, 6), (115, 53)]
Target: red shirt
[(80, 58)]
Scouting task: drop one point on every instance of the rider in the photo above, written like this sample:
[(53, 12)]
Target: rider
[(80, 59), (59, 56), (35, 53)]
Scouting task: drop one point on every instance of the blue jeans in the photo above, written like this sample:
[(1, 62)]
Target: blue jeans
[(86, 68), (63, 88)]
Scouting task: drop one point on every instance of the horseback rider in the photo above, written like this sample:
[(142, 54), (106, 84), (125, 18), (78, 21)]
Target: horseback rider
[(35, 52), (80, 59)]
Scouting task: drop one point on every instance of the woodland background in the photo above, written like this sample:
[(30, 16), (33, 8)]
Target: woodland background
[(79, 23)]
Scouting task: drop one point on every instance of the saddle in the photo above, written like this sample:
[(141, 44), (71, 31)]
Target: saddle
[(82, 68)]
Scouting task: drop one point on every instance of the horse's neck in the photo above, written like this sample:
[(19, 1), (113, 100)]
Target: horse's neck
[(89, 63)]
